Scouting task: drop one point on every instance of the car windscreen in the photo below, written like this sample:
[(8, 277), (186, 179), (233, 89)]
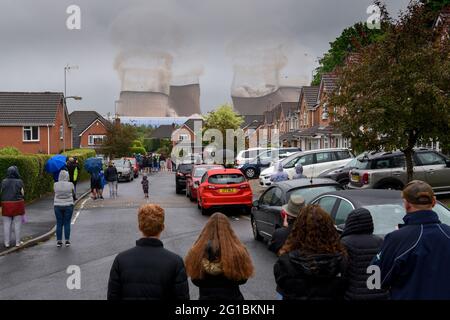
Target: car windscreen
[(310, 192), (226, 179), (121, 163), (362, 164)]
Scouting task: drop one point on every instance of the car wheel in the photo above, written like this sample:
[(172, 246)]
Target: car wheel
[(250, 173), (204, 211), (255, 230), (344, 183), (178, 190)]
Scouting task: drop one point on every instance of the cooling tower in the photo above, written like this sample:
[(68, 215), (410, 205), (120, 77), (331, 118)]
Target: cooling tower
[(185, 100), (258, 105), (144, 104)]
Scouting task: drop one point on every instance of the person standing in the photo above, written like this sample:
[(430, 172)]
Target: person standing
[(145, 184), (63, 206), (290, 211), (102, 184), (13, 205), (414, 260), (313, 261), (162, 163), (218, 263), (298, 172), (95, 185), (73, 168), (148, 271), (112, 178), (280, 175), (169, 164), (362, 246)]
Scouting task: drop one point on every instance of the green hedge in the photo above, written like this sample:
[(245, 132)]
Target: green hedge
[(9, 151), (31, 168)]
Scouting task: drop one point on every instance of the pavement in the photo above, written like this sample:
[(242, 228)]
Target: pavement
[(41, 221), (103, 228)]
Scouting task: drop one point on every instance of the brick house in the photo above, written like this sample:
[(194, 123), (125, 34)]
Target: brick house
[(90, 129), (33, 122), (186, 134), (250, 126)]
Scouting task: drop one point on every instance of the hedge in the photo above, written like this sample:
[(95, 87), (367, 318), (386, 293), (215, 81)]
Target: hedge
[(31, 168)]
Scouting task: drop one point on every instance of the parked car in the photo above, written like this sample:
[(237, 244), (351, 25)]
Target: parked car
[(266, 212), (385, 206), (135, 166), (314, 162), (387, 170), (247, 155), (182, 170), (341, 174), (253, 167), (196, 175), (224, 188), (124, 169)]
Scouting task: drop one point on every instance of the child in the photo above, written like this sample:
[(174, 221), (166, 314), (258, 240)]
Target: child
[(145, 183)]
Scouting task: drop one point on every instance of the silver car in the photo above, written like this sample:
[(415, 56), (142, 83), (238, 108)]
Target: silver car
[(387, 170)]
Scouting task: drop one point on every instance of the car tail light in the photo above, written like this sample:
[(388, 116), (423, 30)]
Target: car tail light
[(365, 178), (211, 187), (180, 174), (244, 186)]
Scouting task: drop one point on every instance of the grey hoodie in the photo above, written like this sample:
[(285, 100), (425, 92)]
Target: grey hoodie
[(63, 190)]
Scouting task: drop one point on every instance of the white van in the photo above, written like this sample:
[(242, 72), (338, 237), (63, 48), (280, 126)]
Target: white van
[(314, 162)]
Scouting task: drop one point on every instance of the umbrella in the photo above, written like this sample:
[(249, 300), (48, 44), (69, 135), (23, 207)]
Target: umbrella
[(55, 163), (93, 165)]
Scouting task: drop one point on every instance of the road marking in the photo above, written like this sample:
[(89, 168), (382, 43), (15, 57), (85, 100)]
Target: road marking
[(79, 210)]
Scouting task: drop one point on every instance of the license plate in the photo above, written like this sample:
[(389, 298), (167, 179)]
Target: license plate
[(227, 190), (355, 178)]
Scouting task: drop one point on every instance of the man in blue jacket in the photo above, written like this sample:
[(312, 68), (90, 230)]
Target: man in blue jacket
[(415, 260)]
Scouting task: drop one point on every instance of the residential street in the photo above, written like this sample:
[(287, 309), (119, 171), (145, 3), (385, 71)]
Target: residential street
[(104, 228)]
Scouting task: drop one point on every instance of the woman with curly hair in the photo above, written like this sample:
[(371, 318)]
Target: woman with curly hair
[(218, 263), (313, 261)]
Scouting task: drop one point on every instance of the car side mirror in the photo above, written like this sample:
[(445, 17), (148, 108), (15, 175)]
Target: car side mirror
[(256, 203)]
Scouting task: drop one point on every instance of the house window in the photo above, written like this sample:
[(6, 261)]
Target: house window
[(183, 137), (325, 112), (30, 133), (326, 143), (96, 140), (61, 134)]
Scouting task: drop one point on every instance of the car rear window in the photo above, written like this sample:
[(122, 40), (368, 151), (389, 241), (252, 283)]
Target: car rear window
[(185, 167), (310, 193), (362, 164), (226, 179)]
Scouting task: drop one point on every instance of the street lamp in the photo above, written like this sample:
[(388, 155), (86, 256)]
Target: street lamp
[(66, 68)]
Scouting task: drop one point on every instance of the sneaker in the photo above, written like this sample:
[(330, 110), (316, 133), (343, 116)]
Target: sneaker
[(59, 244), (19, 244), (67, 243), (7, 246), (101, 197)]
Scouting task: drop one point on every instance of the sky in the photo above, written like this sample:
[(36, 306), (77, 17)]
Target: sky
[(222, 44)]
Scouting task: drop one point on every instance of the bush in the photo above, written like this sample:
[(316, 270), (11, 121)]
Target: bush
[(9, 151), (136, 150)]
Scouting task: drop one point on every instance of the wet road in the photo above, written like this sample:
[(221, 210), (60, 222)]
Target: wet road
[(104, 228)]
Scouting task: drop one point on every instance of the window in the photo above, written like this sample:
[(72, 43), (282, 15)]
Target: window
[(326, 143), (342, 155), (267, 197), (95, 140), (430, 158), (343, 211), (183, 137), (324, 157), (327, 203), (226, 179), (398, 162), (61, 132), (382, 164), (30, 133), (309, 193), (307, 160)]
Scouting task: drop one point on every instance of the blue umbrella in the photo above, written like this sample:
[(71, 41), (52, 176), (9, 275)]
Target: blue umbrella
[(55, 163), (93, 165)]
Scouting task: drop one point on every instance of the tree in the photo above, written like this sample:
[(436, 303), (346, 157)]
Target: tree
[(436, 5), (119, 140), (351, 39), (398, 95)]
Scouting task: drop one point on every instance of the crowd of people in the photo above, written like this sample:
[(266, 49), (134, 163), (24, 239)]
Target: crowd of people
[(315, 262), (154, 162)]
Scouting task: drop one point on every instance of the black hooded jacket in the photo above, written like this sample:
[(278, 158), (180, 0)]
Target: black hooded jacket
[(310, 276), (361, 246), (12, 185)]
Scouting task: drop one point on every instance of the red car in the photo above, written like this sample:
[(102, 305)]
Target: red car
[(196, 175), (222, 188)]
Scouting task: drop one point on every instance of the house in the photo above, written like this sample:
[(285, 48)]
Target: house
[(35, 122), (443, 24), (250, 127), (90, 129), (163, 132), (187, 133)]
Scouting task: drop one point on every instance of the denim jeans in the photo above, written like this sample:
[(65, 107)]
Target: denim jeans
[(63, 220)]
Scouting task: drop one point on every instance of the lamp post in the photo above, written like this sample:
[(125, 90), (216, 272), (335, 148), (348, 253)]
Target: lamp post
[(66, 68)]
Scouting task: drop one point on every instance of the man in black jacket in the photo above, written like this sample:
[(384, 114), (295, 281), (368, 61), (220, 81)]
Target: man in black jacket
[(290, 212), (148, 271)]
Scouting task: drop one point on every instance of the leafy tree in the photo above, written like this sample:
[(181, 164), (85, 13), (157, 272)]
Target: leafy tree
[(436, 5), (398, 95), (119, 140)]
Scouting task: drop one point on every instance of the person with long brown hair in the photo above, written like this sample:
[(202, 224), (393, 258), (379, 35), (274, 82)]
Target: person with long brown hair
[(218, 263), (313, 261)]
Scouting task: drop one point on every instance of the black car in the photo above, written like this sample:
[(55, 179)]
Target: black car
[(180, 176), (340, 174), (251, 169), (385, 206), (266, 212)]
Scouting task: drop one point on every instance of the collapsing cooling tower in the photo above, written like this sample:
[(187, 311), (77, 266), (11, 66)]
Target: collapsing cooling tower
[(144, 104), (185, 100)]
